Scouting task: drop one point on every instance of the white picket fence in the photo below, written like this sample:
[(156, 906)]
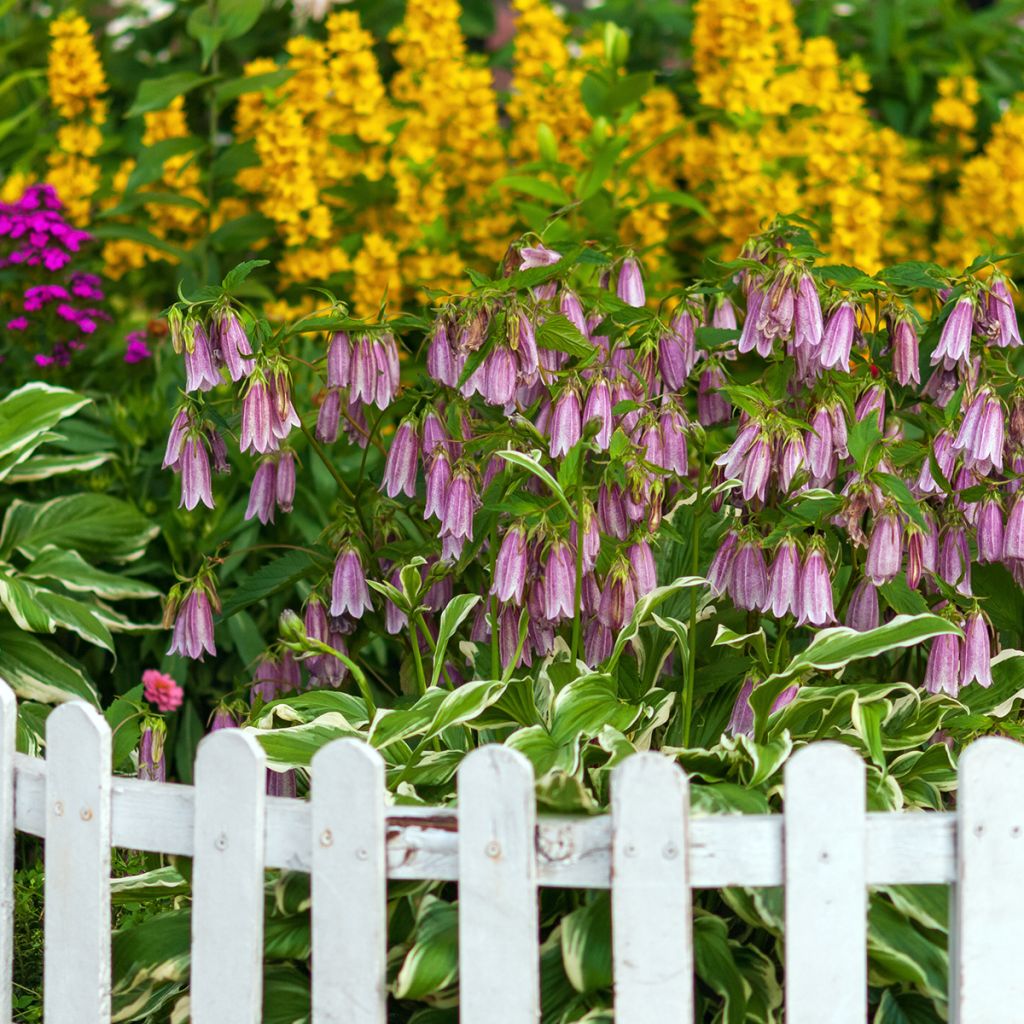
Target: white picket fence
[(824, 849)]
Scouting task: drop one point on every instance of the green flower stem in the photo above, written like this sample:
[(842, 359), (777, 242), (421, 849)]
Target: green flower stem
[(433, 648), (421, 679), (578, 595), (691, 667), (495, 647), (357, 672)]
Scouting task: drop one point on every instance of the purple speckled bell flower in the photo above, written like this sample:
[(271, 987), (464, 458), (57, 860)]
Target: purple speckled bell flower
[(201, 373), (712, 406), (748, 584), (954, 565), (784, 581), (152, 761), (885, 549), (906, 360), (990, 531), (598, 406), (401, 462), (816, 607), (285, 489), (977, 652), (510, 566), (257, 434), (328, 418), (955, 341), (193, 626), (942, 674), (630, 285), (719, 574), (837, 340), (559, 582), (196, 487), (566, 422), (808, 323), (232, 343), (263, 492), (1001, 310), (349, 593), (862, 611)]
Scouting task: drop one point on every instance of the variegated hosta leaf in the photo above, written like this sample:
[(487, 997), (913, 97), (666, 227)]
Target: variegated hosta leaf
[(36, 670), (42, 467), (26, 416), (432, 963)]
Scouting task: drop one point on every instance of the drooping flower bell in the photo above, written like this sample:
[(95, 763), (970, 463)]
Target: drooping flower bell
[(263, 492), (231, 342), (257, 433), (784, 580), (885, 549), (954, 565), (977, 651), (349, 593), (981, 437), (816, 608), (630, 285), (618, 598), (598, 406), (905, 352), (193, 621), (990, 531), (456, 516), (942, 674), (712, 406), (201, 373), (559, 582), (1001, 310), (837, 340), (566, 422), (510, 566), (748, 584), (808, 324), (955, 341), (194, 464), (719, 574), (862, 612), (401, 462)]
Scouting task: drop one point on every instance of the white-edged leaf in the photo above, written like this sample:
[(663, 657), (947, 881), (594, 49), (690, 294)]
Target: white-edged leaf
[(36, 670), (74, 573), (531, 463), (42, 467), (644, 607), (451, 618)]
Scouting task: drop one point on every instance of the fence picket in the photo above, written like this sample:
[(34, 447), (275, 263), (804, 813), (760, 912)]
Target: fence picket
[(987, 982), (652, 927), (826, 887), (8, 743), (349, 885), (76, 944), (499, 959), (227, 880)]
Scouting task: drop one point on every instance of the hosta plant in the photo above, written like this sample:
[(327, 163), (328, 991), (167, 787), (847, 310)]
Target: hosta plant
[(775, 506)]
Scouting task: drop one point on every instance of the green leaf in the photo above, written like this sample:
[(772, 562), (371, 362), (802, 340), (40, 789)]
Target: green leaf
[(294, 747), (391, 726), (126, 727), (432, 963), (586, 936), (897, 950), (73, 615), (585, 706), (150, 166), (547, 191), (74, 573), (27, 415), (157, 93), (905, 1008), (92, 524), (225, 92), (863, 437), (133, 233), (531, 463), (238, 274), (560, 334), (834, 648), (270, 578), (37, 670), (644, 607), (717, 968), (42, 467), (451, 618), (466, 703), (215, 24)]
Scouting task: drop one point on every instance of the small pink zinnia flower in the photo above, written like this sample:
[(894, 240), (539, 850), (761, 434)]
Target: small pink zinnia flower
[(161, 690)]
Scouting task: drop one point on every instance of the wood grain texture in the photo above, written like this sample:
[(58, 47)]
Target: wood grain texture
[(826, 887), (349, 885), (987, 982), (227, 880), (76, 945), (652, 924), (499, 956)]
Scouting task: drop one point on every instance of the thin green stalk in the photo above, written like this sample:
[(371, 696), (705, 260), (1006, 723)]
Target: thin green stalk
[(578, 595), (433, 648), (421, 679), (331, 468), (357, 672), (691, 667), (495, 646)]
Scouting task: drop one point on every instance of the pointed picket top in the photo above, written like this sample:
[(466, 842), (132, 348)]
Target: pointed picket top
[(825, 854), (985, 975)]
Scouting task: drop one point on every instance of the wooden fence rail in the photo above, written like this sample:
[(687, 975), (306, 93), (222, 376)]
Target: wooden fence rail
[(824, 849)]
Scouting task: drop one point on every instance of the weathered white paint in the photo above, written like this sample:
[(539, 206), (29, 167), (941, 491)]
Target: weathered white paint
[(8, 740), (987, 983), (494, 846), (826, 887), (572, 852), (227, 880), (652, 925), (76, 943), (349, 885), (499, 958)]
